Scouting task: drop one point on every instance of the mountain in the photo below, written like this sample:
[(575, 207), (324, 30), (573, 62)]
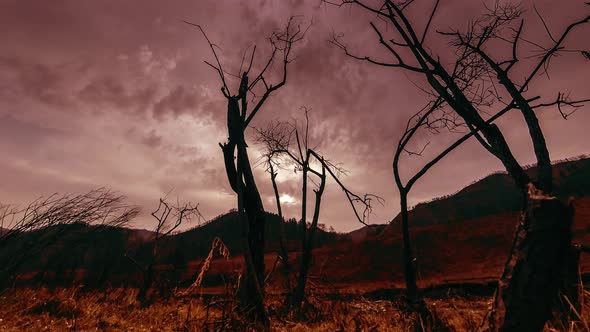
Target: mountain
[(197, 241), (464, 237), (496, 194), (139, 235), (365, 232), (461, 237), (96, 255)]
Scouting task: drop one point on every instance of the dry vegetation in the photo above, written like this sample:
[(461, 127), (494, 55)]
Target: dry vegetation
[(117, 309), (347, 290)]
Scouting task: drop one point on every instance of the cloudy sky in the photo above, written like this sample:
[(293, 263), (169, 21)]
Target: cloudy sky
[(115, 93)]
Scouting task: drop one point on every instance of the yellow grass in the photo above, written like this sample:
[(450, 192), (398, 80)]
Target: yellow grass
[(117, 310)]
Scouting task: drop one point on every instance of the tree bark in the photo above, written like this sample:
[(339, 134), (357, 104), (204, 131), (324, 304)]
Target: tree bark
[(284, 251), (148, 280), (545, 176), (408, 255), (532, 275), (251, 213), (422, 318), (308, 238)]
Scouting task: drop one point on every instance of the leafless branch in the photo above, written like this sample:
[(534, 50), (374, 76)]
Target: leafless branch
[(169, 218), (218, 67), (97, 207)]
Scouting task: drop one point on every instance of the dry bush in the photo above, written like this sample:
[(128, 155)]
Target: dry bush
[(223, 252), (27, 231), (580, 320), (214, 313)]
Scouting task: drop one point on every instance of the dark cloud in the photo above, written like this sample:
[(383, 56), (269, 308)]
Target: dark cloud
[(152, 140), (115, 93), (179, 100), (109, 93), (23, 78), (106, 91)]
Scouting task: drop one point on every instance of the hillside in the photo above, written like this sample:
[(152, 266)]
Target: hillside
[(461, 237), (458, 238), (196, 242), (96, 255), (497, 194)]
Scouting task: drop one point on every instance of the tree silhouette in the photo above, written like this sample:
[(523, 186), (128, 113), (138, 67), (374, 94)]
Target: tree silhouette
[(168, 218), (48, 220), (277, 134), (287, 140), (468, 87), (239, 171)]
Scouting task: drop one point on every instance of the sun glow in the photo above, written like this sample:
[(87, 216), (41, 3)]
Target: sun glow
[(287, 199)]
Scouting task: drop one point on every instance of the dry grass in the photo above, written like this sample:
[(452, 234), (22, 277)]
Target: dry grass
[(223, 252), (66, 309), (117, 310)]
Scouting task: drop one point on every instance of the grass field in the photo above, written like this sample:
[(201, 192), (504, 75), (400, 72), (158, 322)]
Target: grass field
[(117, 310)]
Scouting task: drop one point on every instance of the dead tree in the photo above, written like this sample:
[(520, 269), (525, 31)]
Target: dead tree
[(237, 164), (427, 118), (168, 219), (49, 218), (414, 299), (282, 133), (278, 139), (532, 274)]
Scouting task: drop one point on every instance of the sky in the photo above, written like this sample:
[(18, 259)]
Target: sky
[(116, 94)]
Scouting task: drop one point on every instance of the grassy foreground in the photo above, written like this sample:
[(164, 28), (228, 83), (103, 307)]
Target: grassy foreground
[(117, 310)]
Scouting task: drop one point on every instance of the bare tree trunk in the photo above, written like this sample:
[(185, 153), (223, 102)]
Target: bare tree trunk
[(533, 273), (277, 139), (251, 290), (408, 255), (240, 176), (148, 273), (255, 212), (148, 280), (251, 214), (284, 251), (294, 299), (306, 256), (422, 318), (545, 176)]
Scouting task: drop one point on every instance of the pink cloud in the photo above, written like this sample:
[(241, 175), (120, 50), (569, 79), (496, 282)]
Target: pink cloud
[(126, 83)]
